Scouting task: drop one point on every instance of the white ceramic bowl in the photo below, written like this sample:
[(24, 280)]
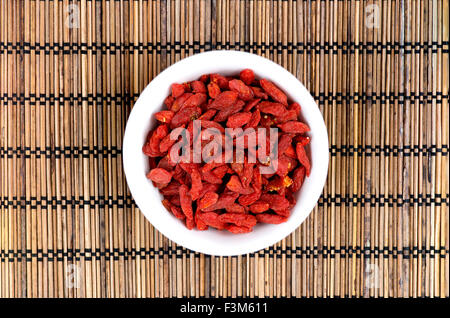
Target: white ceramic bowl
[(148, 198)]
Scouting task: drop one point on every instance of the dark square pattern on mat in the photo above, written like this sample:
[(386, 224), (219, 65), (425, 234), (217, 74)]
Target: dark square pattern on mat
[(70, 72)]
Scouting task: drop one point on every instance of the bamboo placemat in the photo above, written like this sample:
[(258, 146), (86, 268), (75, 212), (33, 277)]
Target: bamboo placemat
[(70, 72)]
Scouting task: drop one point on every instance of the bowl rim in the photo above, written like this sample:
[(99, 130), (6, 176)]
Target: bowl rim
[(320, 138)]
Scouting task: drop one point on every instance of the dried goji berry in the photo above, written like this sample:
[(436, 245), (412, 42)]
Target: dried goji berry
[(201, 226), (166, 143), (190, 224), (185, 115), (294, 127), (220, 172), (235, 229), (223, 114), (212, 219), (165, 163), (208, 187), (169, 101), (220, 80), (259, 207), (247, 76), (196, 186), (273, 91), (289, 115), (276, 201), (303, 158), (179, 102), (259, 93), (246, 175), (213, 90), (303, 140), (235, 208), (290, 152), (275, 109), (245, 92), (251, 104), (225, 200), (248, 199), (235, 185), (195, 100), (198, 87), (283, 143), (295, 107), (164, 116), (175, 199), (224, 100), (208, 199), (238, 120), (160, 175), (212, 124), (177, 90), (266, 121), (284, 213), (210, 177), (239, 219), (270, 218), (186, 201), (208, 115), (171, 189), (254, 120), (204, 78), (282, 166)]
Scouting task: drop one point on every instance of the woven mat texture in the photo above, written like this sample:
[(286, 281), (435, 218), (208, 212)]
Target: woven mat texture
[(70, 72)]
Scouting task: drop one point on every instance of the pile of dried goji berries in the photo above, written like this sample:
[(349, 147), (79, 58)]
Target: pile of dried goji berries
[(234, 196)]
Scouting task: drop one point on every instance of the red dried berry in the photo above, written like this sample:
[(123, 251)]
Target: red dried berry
[(179, 102), (273, 91), (303, 158), (190, 224), (220, 80), (223, 114), (294, 127), (212, 219), (197, 99), (224, 100), (238, 229), (247, 76), (208, 200), (259, 207), (271, 218), (169, 101), (239, 219), (251, 104), (235, 185), (177, 90), (201, 226), (164, 116), (186, 201), (185, 115), (204, 78), (198, 87), (275, 109), (276, 201), (238, 120), (197, 185), (213, 90), (160, 175), (259, 93), (245, 93)]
